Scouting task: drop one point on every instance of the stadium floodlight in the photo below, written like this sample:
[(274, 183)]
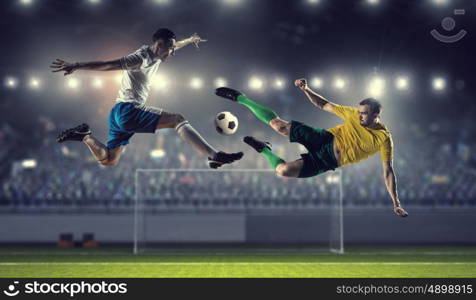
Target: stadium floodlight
[(162, 2), (73, 83), (440, 2), (279, 84), (97, 83), (94, 1), (231, 2), (332, 179), (439, 84), (376, 87), (34, 83), (118, 78), (220, 82), (11, 82), (157, 153), (255, 83), (401, 83), (160, 82), (313, 1), (28, 163), (339, 83), (316, 82), (26, 2), (196, 83), (373, 2)]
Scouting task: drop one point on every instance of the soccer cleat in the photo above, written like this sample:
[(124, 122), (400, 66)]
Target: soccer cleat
[(222, 158), (228, 93), (74, 134), (258, 145)]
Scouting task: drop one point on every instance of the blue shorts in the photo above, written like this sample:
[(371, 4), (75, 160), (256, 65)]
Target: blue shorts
[(127, 118)]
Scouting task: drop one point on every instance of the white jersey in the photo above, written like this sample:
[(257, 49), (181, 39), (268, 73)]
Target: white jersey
[(139, 69)]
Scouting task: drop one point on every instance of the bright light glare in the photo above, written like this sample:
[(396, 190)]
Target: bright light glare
[(29, 163), (162, 2), (26, 2), (73, 83), (313, 1), (231, 2), (373, 2), (255, 83), (401, 83), (11, 82), (316, 82), (118, 78), (330, 179), (157, 153), (279, 84), (220, 82), (160, 82), (439, 84), (35, 83), (440, 2), (97, 83), (196, 83), (339, 83), (376, 87)]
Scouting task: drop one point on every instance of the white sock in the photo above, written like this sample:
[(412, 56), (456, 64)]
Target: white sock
[(187, 133)]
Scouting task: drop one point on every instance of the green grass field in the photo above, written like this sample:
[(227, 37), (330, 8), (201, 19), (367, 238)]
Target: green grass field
[(356, 262)]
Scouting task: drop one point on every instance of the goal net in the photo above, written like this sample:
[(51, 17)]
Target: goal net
[(243, 208)]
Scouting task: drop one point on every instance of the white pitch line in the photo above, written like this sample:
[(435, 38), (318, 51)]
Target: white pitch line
[(257, 253), (413, 254), (230, 263)]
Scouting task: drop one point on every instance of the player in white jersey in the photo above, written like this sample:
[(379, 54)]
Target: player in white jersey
[(130, 114)]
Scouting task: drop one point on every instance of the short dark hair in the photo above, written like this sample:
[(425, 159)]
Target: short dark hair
[(163, 33), (375, 106)]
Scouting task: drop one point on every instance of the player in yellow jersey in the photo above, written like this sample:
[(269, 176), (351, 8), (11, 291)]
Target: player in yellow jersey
[(359, 137)]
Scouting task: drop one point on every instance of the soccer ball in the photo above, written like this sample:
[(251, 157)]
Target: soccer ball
[(226, 123)]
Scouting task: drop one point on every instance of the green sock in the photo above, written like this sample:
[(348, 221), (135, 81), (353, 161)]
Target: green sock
[(261, 112), (272, 158)]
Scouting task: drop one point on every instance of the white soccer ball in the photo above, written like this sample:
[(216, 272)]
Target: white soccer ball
[(226, 123)]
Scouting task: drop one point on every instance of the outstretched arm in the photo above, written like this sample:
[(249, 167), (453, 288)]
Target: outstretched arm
[(68, 68), (391, 184), (314, 97), (194, 39)]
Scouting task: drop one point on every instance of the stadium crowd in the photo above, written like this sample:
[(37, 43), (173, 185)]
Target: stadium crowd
[(432, 175)]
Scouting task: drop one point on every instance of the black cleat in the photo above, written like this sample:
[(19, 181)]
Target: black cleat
[(228, 93), (258, 145), (74, 134), (222, 158)]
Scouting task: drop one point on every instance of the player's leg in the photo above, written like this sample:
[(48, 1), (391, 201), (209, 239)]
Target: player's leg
[(264, 148), (290, 169), (106, 157), (283, 168), (263, 113), (187, 133), (82, 133), (281, 126)]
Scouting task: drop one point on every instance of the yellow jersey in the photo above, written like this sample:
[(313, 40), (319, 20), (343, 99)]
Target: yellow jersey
[(357, 142)]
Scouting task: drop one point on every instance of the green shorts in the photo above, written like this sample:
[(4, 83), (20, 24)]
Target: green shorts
[(319, 143)]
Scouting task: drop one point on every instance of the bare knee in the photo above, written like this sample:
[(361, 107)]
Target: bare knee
[(281, 126), (170, 120), (178, 118), (109, 162), (112, 158), (284, 170)]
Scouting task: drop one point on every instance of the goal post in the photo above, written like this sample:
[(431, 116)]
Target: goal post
[(237, 206)]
